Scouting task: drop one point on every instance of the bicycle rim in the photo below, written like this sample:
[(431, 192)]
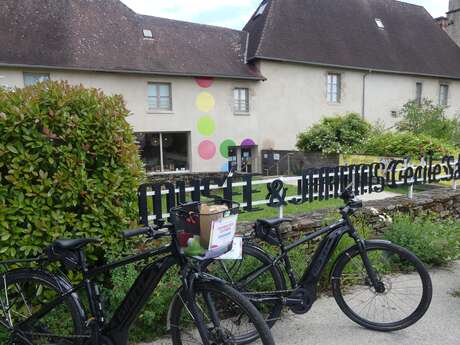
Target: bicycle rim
[(403, 294), (21, 296)]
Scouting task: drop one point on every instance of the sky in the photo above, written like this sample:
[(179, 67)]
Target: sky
[(230, 13)]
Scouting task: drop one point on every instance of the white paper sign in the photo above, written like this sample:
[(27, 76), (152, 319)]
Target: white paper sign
[(237, 250), (222, 233), (276, 156)]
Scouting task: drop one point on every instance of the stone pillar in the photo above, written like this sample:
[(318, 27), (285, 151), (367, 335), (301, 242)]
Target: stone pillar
[(453, 16)]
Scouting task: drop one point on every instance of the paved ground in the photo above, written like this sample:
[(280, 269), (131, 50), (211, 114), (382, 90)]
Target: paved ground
[(325, 324), (378, 196)]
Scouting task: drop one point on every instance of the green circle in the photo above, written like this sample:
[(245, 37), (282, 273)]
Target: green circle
[(224, 147), (206, 126)]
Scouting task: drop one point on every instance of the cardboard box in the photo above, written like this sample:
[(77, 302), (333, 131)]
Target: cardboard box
[(207, 215)]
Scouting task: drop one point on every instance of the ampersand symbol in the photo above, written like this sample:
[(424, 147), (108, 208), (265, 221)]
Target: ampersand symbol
[(276, 194)]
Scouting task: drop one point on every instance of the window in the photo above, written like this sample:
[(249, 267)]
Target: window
[(379, 23), (333, 87), (147, 33), (241, 100), (160, 96), (34, 78), (418, 93), (164, 152), (443, 94)]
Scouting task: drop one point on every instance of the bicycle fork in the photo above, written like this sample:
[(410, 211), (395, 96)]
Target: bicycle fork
[(374, 279), (193, 309)]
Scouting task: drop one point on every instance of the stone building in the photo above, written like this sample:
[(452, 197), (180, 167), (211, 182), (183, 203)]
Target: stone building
[(206, 98), (453, 17)]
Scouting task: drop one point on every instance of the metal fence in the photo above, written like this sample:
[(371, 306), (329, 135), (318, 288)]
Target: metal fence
[(156, 199)]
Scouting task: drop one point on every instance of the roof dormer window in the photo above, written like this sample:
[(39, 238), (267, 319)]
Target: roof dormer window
[(379, 23), (148, 34)]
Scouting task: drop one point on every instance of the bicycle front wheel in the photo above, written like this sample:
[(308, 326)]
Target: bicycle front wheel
[(24, 292), (403, 293), (227, 315)]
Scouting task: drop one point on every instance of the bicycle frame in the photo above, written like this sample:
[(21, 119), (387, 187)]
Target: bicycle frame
[(129, 309), (321, 257)]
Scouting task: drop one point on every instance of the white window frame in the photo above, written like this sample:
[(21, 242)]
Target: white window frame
[(39, 76), (443, 99), (334, 87), (240, 105), (418, 95), (158, 97)]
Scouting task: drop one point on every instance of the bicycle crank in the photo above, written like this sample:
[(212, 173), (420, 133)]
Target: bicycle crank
[(301, 300)]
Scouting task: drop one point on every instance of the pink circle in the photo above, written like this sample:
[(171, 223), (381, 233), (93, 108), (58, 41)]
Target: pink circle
[(248, 142), (204, 82), (207, 149)]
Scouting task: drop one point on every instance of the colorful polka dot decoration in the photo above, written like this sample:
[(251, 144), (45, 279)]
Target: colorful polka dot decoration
[(224, 147), (207, 149), (204, 82), (206, 126), (248, 142), (205, 102)]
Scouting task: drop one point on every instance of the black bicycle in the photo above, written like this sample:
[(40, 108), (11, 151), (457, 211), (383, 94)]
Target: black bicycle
[(377, 284), (41, 308)]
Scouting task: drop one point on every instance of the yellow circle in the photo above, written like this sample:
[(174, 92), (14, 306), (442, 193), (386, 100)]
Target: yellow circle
[(205, 102)]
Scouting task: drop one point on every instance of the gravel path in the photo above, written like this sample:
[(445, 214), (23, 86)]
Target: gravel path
[(325, 324)]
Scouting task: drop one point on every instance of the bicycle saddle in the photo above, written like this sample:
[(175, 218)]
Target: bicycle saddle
[(75, 244), (274, 222)]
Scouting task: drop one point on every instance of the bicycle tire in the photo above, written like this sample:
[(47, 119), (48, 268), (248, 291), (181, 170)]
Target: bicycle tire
[(19, 286), (274, 274), (387, 259), (179, 316)]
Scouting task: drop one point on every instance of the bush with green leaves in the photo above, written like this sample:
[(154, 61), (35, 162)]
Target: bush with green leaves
[(338, 134), (69, 167), (434, 242), (402, 144), (429, 119)]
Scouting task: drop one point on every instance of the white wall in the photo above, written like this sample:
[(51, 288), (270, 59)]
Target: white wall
[(184, 116), (291, 99), (294, 97)]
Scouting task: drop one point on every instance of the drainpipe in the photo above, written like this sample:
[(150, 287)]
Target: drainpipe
[(363, 107)]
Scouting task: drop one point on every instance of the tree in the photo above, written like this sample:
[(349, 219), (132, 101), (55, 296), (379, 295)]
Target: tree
[(429, 119)]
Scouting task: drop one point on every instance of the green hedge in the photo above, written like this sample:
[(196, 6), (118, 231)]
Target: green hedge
[(69, 167), (405, 144), (337, 134)]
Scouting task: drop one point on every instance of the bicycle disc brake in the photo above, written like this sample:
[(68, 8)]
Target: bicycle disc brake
[(301, 300)]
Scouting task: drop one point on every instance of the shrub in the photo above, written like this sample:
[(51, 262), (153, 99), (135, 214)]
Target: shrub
[(429, 119), (69, 167), (405, 144), (338, 134), (435, 243)]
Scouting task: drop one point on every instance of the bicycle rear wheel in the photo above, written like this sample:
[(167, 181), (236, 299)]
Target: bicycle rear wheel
[(227, 314), (23, 292), (402, 296)]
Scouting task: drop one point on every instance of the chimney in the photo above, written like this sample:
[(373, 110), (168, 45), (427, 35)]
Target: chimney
[(453, 20)]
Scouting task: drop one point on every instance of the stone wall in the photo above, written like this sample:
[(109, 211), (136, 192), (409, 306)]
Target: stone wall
[(442, 201)]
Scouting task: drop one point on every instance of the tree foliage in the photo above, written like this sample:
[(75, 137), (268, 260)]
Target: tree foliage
[(69, 167), (338, 134), (429, 119)]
